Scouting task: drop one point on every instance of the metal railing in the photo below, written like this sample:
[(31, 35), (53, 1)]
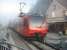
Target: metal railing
[(9, 46), (4, 48)]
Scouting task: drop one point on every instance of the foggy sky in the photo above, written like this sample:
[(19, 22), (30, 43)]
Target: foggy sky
[(9, 9)]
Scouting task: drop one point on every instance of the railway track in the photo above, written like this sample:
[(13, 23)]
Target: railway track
[(21, 42), (41, 46), (28, 45)]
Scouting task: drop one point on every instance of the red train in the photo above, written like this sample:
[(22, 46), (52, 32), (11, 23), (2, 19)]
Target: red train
[(27, 30)]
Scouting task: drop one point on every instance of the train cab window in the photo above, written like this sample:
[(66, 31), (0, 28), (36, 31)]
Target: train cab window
[(36, 20)]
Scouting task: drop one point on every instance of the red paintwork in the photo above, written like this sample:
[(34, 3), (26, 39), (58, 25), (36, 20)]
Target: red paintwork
[(29, 31)]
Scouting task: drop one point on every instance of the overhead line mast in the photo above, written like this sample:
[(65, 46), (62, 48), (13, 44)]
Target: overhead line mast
[(22, 6)]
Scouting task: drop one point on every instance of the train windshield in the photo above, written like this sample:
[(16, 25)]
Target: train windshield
[(36, 20)]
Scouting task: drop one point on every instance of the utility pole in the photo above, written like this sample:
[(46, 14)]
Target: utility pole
[(22, 6)]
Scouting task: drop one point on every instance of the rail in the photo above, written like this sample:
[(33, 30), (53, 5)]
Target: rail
[(2, 47)]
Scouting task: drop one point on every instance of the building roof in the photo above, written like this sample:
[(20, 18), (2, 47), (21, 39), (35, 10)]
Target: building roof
[(63, 3)]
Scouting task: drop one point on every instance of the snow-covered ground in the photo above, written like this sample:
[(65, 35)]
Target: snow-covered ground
[(56, 40)]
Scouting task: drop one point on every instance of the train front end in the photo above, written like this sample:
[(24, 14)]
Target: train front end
[(33, 26)]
